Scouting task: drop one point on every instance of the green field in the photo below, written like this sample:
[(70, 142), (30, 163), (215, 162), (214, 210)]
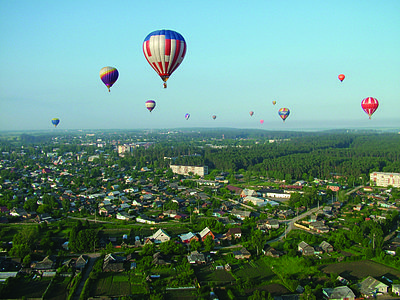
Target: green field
[(256, 270), (115, 284)]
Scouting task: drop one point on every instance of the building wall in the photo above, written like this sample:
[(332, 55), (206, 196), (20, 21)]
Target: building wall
[(185, 170), (385, 179)]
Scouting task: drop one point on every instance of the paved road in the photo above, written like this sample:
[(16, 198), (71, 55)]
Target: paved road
[(291, 223), (92, 258), (355, 189), (242, 204)]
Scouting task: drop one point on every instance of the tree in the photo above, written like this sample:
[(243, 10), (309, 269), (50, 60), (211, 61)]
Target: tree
[(195, 245), (148, 250), (20, 250), (209, 243), (258, 239), (308, 294)]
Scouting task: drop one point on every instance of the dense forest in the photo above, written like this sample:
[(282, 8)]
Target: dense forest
[(352, 155), (280, 155)]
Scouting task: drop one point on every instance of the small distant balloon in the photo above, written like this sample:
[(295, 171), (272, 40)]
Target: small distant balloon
[(284, 113), (214, 117), (369, 105), (341, 77), (274, 102), (109, 76), (55, 121), (261, 121), (150, 105), (187, 116), (251, 113)]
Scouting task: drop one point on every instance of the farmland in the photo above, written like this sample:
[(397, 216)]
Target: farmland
[(358, 270)]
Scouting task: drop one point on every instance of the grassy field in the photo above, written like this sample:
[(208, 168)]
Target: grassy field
[(358, 270), (255, 270), (208, 273)]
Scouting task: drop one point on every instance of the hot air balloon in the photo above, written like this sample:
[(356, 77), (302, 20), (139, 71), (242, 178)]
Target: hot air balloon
[(187, 116), (274, 102), (341, 77), (251, 113), (369, 105), (150, 105), (164, 51), (284, 113), (109, 76), (214, 117), (261, 121), (55, 121)]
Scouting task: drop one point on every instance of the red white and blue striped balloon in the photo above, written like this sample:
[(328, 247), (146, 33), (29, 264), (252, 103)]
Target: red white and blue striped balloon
[(164, 51), (369, 105), (109, 76)]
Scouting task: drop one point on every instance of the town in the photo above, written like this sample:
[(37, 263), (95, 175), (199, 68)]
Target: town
[(199, 214)]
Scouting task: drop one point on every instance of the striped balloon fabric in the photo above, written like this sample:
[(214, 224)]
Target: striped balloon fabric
[(109, 76), (164, 51), (284, 113), (369, 105)]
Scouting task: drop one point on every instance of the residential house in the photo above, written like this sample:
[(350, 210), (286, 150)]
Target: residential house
[(187, 237), (205, 233), (248, 192), (333, 187), (235, 233), (18, 212), (305, 248), (81, 262), (160, 236), (326, 247), (370, 287), (240, 214), (234, 189), (159, 259), (272, 224), (269, 251), (47, 264), (241, 254), (113, 263), (339, 293), (254, 200), (396, 289), (196, 257), (123, 216)]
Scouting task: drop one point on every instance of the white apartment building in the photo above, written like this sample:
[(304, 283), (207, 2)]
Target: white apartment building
[(385, 179), (185, 170)]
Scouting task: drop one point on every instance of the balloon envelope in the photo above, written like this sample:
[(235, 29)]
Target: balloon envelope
[(55, 121), (150, 105), (109, 76), (251, 113), (341, 77), (369, 105), (164, 51), (187, 116), (274, 102), (214, 117), (284, 113), (261, 121)]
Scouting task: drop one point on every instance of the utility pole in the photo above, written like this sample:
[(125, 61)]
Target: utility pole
[(373, 242), (285, 229)]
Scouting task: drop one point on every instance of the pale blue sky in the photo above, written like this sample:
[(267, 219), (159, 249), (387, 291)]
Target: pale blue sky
[(241, 55)]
